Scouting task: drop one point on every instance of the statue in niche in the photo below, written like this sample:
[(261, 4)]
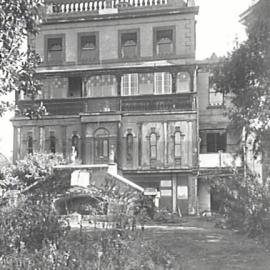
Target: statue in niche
[(112, 155), (73, 155)]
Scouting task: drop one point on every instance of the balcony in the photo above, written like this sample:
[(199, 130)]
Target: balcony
[(219, 160), (76, 7), (149, 103), (159, 103)]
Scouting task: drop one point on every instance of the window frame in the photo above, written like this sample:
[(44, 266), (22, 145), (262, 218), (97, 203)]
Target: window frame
[(153, 145), (179, 144), (89, 91), (216, 141), (189, 90), (52, 136), (46, 51), (79, 57), (129, 147), (99, 140), (212, 91), (155, 41), (130, 75), (30, 139), (163, 73), (138, 45)]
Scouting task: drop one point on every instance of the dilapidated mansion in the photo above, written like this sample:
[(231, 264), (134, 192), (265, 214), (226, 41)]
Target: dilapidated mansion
[(121, 76)]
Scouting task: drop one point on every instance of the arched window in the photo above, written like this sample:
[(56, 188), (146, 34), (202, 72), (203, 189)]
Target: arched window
[(177, 144), (52, 142), (75, 144), (30, 143), (101, 145), (129, 142), (183, 82), (101, 86), (153, 146)]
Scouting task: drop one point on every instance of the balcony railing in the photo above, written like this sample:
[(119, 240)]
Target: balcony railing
[(75, 6), (219, 160), (73, 106), (158, 103)]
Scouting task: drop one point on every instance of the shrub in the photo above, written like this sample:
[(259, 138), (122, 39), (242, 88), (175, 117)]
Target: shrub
[(29, 224), (164, 216), (106, 250), (246, 203)]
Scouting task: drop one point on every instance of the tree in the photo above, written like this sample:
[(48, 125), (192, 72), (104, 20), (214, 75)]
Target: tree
[(244, 73), (18, 19)]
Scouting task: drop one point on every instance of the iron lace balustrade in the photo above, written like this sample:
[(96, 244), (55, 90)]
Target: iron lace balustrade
[(147, 103), (175, 102)]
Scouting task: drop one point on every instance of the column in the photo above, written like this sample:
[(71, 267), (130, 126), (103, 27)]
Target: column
[(174, 193), (192, 201), (165, 132)]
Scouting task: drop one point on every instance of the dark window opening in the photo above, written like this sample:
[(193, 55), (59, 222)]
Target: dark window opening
[(52, 143), (101, 145), (164, 42), (55, 50), (216, 142), (88, 48), (102, 148), (129, 147), (129, 45), (75, 87), (30, 143)]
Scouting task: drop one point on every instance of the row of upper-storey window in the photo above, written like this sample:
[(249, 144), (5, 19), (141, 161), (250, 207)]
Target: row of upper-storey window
[(128, 47)]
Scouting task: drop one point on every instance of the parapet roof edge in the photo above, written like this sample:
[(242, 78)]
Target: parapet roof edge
[(124, 15)]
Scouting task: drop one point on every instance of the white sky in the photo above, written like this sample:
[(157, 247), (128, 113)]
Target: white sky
[(217, 27)]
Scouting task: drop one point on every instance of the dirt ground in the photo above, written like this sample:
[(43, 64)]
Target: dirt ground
[(198, 245)]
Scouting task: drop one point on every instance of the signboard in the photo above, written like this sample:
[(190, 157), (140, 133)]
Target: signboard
[(150, 191), (182, 192), (80, 178), (166, 193), (165, 183)]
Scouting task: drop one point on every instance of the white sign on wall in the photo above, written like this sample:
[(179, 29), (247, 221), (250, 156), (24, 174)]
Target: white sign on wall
[(166, 193), (80, 178), (182, 192), (165, 183)]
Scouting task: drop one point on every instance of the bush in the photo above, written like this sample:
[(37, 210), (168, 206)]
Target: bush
[(29, 170), (164, 216), (106, 250), (246, 204), (28, 225), (32, 236)]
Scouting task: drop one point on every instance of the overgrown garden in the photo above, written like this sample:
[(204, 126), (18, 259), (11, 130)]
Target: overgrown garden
[(34, 236)]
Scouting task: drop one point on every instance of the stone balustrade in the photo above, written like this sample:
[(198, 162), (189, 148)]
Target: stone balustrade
[(75, 6)]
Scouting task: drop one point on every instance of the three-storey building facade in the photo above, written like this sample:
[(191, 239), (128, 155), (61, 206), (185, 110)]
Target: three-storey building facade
[(120, 79)]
